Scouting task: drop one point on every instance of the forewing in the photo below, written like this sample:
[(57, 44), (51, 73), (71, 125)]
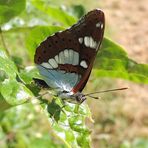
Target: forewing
[(65, 59), (89, 32), (57, 59)]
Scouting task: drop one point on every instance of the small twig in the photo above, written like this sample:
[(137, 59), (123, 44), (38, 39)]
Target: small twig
[(3, 42)]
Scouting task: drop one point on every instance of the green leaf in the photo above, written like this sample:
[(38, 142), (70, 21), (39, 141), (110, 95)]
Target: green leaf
[(28, 74), (37, 35), (45, 141), (22, 29), (7, 66), (25, 120), (78, 10), (68, 122), (10, 9), (112, 61), (3, 104), (56, 13), (14, 93)]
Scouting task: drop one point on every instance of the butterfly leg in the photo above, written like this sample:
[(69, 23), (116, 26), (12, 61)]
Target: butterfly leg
[(82, 100)]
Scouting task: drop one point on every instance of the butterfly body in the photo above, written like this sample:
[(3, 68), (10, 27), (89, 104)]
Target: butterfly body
[(65, 59)]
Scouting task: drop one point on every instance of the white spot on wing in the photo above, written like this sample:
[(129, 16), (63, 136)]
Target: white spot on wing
[(57, 58), (71, 56), (80, 40), (98, 24), (61, 58), (53, 63), (75, 58), (89, 42), (84, 64), (46, 65), (101, 26), (66, 54), (86, 41), (92, 43)]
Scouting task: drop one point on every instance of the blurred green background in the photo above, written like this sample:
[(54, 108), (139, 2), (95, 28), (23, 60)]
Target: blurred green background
[(121, 118)]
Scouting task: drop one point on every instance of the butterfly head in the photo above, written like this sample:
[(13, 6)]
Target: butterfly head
[(76, 98)]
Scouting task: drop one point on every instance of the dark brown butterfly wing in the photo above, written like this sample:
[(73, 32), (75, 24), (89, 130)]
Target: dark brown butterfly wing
[(65, 59), (89, 31)]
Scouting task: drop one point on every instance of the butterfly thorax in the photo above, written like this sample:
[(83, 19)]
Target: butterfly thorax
[(76, 98)]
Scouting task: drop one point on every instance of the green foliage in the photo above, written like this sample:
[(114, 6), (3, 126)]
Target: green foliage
[(69, 122), (7, 65), (79, 10), (57, 14), (10, 8), (17, 87), (12, 91), (113, 61), (22, 128)]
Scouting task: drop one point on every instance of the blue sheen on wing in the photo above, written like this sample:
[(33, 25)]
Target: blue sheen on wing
[(59, 79)]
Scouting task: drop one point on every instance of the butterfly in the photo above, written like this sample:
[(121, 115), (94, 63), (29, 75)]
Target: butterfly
[(65, 59)]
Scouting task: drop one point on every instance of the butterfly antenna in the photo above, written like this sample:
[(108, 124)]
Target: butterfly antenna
[(109, 90), (93, 97)]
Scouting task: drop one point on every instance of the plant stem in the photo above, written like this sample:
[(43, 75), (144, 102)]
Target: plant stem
[(3, 42)]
